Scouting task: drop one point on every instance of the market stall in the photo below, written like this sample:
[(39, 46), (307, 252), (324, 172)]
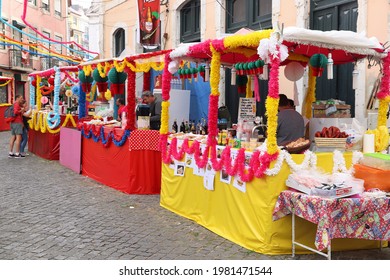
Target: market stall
[(5, 82), (118, 154), (47, 119), (233, 191)]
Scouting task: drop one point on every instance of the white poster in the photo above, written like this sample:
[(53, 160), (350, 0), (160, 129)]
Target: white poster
[(208, 181), (238, 184), (180, 168), (247, 109), (225, 177), (190, 161)]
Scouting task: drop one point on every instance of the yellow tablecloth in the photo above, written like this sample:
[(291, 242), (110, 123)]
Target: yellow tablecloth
[(246, 218)]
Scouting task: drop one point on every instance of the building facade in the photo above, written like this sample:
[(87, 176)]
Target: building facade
[(18, 52), (78, 26), (185, 21)]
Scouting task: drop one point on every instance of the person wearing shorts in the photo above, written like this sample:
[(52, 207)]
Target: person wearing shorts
[(16, 128)]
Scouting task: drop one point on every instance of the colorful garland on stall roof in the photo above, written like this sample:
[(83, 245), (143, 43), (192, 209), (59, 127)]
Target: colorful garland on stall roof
[(103, 70), (131, 96), (39, 95), (120, 66), (118, 141), (32, 91), (6, 83), (87, 70), (53, 118), (384, 93), (247, 40)]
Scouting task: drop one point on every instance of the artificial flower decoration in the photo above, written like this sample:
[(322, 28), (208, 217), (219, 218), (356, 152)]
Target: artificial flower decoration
[(101, 82), (117, 80), (173, 66), (86, 81), (318, 63)]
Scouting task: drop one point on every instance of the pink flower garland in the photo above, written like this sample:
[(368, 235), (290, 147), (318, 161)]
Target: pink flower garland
[(273, 84), (201, 48), (166, 79), (384, 89)]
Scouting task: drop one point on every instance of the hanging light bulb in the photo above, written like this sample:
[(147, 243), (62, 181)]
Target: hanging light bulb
[(233, 79), (207, 72), (355, 77), (330, 67)]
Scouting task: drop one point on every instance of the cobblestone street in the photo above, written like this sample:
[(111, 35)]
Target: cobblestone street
[(49, 212)]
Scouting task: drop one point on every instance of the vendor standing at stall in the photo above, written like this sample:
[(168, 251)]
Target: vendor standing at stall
[(291, 124), (154, 109)]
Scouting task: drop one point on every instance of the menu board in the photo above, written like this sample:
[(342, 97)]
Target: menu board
[(247, 109)]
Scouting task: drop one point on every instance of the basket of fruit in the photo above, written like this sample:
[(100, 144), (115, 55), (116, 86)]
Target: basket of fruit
[(331, 137)]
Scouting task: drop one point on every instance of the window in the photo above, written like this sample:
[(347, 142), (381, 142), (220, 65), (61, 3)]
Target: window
[(46, 5), (190, 22), (57, 7), (17, 36), (2, 30), (119, 41), (253, 14), (32, 40), (33, 2), (58, 46), (77, 38), (3, 94), (47, 35)]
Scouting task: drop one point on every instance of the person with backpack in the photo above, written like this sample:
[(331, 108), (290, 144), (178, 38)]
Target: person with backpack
[(26, 117), (16, 128)]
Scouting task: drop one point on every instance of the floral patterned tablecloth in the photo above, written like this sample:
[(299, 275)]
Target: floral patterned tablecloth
[(362, 217)]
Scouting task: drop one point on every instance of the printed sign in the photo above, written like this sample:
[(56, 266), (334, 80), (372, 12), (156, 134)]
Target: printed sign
[(247, 109), (149, 21)]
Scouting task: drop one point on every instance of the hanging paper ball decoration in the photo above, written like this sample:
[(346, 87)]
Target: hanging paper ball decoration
[(318, 62), (117, 80), (202, 71), (86, 81), (44, 100), (294, 71), (101, 83)]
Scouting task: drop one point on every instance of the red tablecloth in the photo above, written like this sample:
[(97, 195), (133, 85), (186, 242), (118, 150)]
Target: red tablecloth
[(3, 125), (362, 218), (129, 171), (46, 145)]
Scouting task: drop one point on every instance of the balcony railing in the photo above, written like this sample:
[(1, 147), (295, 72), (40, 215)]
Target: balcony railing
[(48, 62), (17, 59)]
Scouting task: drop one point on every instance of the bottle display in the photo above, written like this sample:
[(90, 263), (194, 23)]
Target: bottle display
[(174, 126)]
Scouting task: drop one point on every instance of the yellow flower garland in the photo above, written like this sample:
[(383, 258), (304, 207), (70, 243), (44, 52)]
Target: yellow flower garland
[(164, 117), (245, 51), (382, 111), (271, 105), (247, 40), (38, 122), (310, 96), (214, 71), (39, 94), (120, 66), (5, 104), (103, 70), (90, 96), (87, 70), (6, 83), (145, 67)]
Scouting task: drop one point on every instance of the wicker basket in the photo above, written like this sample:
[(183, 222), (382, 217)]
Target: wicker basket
[(330, 142)]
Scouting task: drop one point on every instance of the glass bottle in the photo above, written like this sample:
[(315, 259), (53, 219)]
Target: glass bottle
[(149, 22), (174, 126), (182, 127)]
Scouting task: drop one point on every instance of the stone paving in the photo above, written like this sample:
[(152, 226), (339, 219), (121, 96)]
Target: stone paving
[(49, 212)]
